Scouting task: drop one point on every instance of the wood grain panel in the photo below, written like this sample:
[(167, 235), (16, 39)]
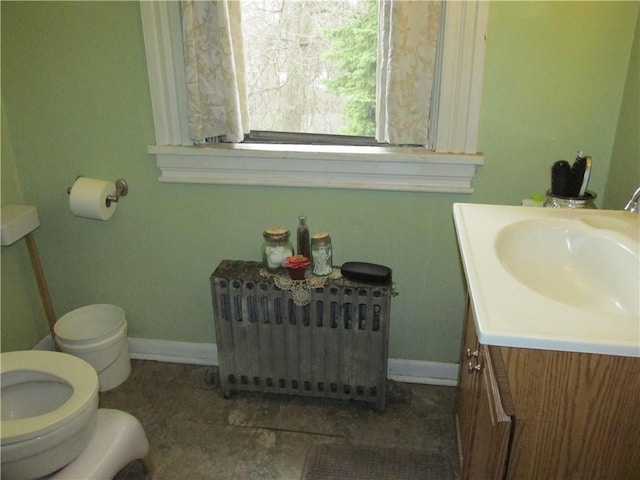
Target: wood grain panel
[(577, 415), (483, 425), (469, 394)]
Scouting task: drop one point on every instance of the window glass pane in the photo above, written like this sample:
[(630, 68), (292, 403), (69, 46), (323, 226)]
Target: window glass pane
[(311, 65)]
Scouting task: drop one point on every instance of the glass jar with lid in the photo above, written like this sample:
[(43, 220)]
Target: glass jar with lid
[(276, 248), (322, 254), (557, 201)]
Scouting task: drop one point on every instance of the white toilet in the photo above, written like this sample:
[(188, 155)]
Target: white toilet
[(51, 424), (49, 411)]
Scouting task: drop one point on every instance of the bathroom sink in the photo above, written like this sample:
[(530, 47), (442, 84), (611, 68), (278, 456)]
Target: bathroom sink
[(574, 263), (554, 279), (17, 221)]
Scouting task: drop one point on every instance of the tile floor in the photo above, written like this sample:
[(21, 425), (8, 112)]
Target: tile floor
[(195, 433)]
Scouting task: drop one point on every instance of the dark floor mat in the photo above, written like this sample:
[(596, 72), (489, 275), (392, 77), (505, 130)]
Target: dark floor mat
[(342, 462)]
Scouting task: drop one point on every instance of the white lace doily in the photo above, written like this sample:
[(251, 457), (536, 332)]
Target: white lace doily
[(301, 289)]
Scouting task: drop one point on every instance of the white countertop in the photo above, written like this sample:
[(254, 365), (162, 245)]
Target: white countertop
[(510, 313)]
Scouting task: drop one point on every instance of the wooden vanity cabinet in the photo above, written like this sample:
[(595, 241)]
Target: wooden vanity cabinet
[(542, 414)]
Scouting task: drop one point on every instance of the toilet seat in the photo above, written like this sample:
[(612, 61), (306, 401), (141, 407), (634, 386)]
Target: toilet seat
[(47, 366)]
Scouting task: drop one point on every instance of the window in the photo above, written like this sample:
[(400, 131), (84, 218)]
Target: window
[(298, 57), (450, 168)]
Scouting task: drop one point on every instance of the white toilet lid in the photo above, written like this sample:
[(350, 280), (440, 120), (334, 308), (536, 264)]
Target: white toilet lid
[(77, 373)]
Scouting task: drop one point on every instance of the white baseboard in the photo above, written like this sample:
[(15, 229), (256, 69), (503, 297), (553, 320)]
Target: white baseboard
[(45, 344), (401, 370), (418, 371), (173, 352)]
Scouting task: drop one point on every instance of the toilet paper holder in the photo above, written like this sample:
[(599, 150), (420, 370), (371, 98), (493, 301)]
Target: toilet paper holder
[(121, 190)]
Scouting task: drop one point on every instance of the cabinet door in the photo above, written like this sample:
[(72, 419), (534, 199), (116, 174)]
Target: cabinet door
[(492, 427), (484, 426), (468, 391)]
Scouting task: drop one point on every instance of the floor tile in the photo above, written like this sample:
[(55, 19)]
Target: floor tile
[(196, 433)]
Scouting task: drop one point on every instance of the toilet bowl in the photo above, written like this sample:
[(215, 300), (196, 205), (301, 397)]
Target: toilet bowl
[(49, 403)]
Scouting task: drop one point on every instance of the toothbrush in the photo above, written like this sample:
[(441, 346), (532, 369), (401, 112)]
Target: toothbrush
[(585, 178)]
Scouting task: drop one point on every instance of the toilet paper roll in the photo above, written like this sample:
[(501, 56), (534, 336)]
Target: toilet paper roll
[(88, 198)]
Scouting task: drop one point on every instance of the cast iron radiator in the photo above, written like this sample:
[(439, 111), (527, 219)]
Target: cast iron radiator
[(335, 347)]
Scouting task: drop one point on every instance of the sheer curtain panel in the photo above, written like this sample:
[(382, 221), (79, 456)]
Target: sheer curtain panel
[(407, 46), (215, 71)]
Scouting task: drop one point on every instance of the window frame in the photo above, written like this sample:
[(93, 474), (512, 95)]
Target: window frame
[(450, 168)]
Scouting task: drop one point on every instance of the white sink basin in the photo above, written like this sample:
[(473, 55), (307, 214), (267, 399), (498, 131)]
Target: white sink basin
[(17, 221), (573, 263), (555, 279)]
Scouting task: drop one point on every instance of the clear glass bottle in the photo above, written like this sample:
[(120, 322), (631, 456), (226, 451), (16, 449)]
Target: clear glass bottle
[(276, 248), (556, 201), (322, 254), (304, 246)]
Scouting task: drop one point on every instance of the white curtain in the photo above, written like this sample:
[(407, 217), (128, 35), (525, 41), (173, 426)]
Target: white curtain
[(216, 85), (407, 41)]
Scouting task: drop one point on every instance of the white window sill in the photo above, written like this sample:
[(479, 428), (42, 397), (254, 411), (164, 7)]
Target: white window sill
[(314, 166)]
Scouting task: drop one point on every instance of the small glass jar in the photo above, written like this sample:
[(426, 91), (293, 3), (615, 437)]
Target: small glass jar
[(556, 201), (322, 254), (276, 248)]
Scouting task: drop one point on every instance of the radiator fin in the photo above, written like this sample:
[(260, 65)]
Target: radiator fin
[(334, 347)]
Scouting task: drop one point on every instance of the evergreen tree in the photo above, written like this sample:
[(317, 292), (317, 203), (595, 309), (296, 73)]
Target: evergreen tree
[(355, 52)]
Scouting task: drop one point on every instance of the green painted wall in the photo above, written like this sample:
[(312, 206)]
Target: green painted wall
[(22, 311), (624, 175), (74, 87)]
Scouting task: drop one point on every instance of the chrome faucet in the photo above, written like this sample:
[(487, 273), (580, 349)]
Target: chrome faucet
[(633, 206)]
